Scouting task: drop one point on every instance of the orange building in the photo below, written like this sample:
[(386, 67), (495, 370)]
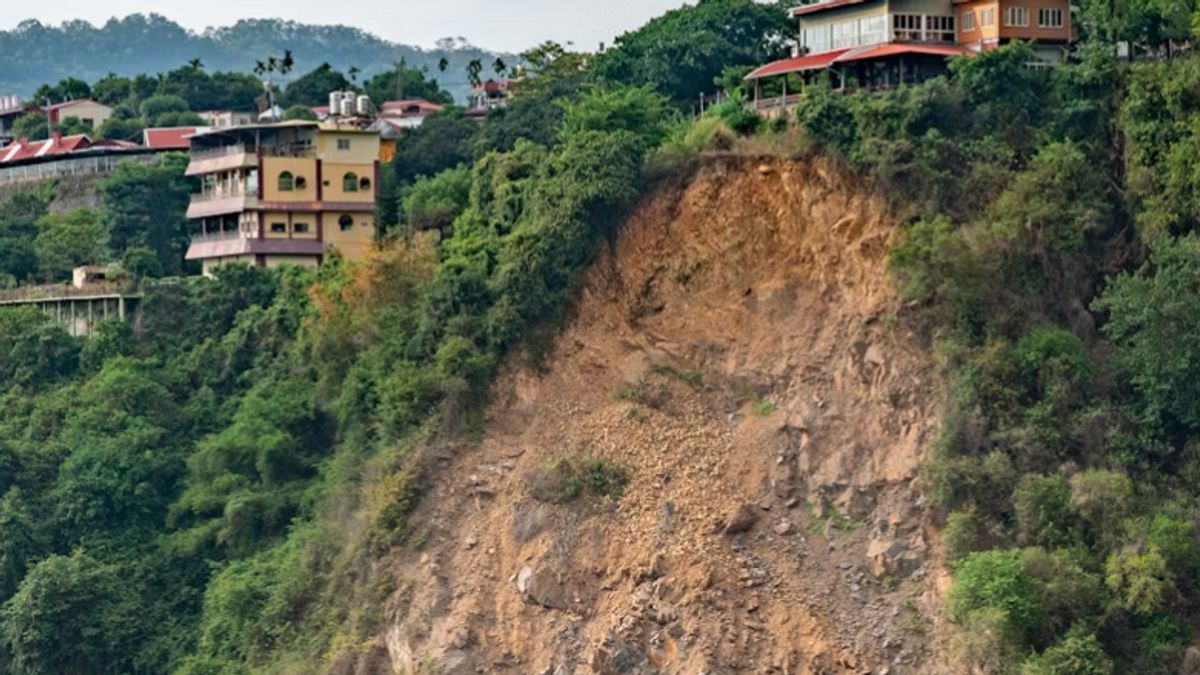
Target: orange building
[(985, 24), (287, 193)]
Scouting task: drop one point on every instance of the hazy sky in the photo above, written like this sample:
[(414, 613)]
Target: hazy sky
[(509, 25)]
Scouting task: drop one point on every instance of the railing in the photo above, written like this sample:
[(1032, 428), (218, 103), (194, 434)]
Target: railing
[(223, 235), (776, 102), (222, 194), (220, 151), (289, 151), (79, 166)]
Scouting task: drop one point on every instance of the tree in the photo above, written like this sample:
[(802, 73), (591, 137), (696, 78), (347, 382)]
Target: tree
[(1077, 654), (18, 230), (443, 141), (434, 203), (638, 110), (158, 105), (72, 614), (680, 52), (299, 112), (146, 205), (533, 118), (68, 89), (34, 351), (112, 89), (405, 82), (141, 262), (33, 126), (313, 88), (66, 241), (995, 580), (1153, 318)]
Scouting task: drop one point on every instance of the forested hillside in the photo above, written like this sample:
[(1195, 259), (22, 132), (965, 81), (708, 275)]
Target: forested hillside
[(34, 53), (228, 487)]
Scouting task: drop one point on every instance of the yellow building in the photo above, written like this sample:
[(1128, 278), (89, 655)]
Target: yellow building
[(287, 193)]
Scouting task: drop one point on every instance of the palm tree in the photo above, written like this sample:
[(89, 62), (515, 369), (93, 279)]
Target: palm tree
[(474, 68), (353, 72), (500, 67), (196, 64), (443, 64), (285, 66)]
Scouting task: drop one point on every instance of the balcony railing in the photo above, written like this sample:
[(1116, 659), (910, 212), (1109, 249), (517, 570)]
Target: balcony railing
[(220, 151), (221, 235)]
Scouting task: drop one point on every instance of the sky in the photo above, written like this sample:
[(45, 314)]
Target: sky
[(504, 25)]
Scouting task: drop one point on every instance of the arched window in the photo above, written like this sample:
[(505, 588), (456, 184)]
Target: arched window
[(287, 182), (301, 182), (364, 184), (350, 182), (346, 223)]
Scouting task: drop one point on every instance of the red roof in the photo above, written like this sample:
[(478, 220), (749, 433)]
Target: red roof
[(57, 145), (822, 6), (796, 65), (415, 106), (899, 48), (170, 138)]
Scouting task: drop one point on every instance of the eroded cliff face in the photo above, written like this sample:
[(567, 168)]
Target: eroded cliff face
[(736, 350)]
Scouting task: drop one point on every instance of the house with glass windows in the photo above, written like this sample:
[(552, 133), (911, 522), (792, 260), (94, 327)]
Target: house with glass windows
[(293, 192), (884, 43)]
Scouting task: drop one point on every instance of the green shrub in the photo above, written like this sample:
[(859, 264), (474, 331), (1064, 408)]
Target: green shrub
[(1077, 654), (1044, 514), (996, 580), (571, 478)]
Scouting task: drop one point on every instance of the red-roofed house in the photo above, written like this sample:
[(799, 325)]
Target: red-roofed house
[(490, 95), (396, 117), (883, 43), (89, 112), (170, 138)]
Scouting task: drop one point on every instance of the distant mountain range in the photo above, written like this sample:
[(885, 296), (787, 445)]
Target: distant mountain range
[(34, 53)]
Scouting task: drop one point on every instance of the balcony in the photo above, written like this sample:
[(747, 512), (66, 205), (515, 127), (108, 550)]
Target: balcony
[(208, 204), (223, 158)]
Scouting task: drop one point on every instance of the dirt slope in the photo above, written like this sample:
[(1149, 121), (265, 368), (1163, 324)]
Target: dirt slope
[(736, 352)]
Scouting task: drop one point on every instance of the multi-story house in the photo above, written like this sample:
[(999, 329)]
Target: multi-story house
[(873, 43), (291, 192), (984, 24)]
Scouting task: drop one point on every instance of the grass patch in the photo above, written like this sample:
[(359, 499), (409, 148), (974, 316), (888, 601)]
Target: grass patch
[(829, 519), (692, 378), (572, 478), (763, 407)]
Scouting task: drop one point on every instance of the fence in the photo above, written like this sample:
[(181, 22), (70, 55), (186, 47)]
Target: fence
[(77, 166)]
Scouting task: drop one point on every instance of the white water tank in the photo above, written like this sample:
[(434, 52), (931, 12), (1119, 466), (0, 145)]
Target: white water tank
[(335, 103), (346, 109), (364, 105)]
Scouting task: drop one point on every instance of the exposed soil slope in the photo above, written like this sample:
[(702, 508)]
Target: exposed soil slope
[(735, 351)]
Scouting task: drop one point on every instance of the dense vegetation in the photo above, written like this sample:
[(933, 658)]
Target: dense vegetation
[(1050, 254), (212, 493), (33, 53), (141, 225)]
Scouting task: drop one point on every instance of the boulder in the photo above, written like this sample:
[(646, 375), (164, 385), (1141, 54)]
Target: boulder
[(742, 520)]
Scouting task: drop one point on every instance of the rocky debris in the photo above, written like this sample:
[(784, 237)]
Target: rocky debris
[(616, 656), (742, 520), (890, 558), (544, 586), (783, 528)]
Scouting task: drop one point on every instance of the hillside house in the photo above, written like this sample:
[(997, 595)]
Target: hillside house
[(490, 95), (224, 119), (87, 111), (884, 43), (283, 193), (171, 138)]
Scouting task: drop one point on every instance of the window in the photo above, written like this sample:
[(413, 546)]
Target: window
[(907, 26), (300, 228), (364, 184), (301, 182), (939, 28), (1017, 17), (343, 143), (350, 182), (1050, 18), (968, 21), (287, 182), (346, 223), (818, 40), (845, 34), (987, 17), (88, 122), (278, 228), (873, 30)]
